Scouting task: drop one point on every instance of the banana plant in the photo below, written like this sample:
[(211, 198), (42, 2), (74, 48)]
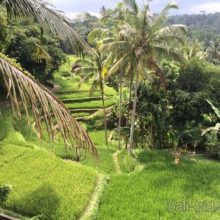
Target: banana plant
[(217, 126)]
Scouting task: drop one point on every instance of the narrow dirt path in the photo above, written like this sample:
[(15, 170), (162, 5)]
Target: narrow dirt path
[(92, 208), (116, 162)]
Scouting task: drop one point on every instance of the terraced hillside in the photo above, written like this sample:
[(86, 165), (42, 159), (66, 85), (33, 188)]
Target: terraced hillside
[(89, 110), (77, 97), (48, 183), (42, 184)]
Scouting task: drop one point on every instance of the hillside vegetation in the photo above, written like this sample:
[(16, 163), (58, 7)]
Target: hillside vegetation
[(120, 122), (42, 184)]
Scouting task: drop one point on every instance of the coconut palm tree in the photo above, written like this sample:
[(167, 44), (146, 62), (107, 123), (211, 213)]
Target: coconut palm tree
[(193, 49), (28, 95), (96, 67), (116, 16), (213, 52), (143, 41)]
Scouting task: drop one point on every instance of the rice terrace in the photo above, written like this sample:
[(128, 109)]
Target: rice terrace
[(109, 110)]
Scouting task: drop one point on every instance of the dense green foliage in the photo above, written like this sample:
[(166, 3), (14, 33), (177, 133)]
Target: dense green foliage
[(176, 117), (152, 91), (4, 192), (204, 27), (34, 48)]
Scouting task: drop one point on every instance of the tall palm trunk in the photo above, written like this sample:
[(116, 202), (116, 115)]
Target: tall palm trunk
[(128, 111), (103, 106), (131, 140), (120, 116)]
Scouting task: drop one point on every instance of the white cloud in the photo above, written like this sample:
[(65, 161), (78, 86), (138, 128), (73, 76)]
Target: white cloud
[(208, 7), (73, 15), (73, 7)]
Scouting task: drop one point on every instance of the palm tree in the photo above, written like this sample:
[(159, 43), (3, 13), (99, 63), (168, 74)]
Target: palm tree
[(213, 52), (96, 67), (24, 91), (143, 41), (116, 16), (193, 49)]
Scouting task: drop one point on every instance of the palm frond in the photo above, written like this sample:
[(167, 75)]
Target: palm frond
[(116, 46), (116, 66), (171, 30), (24, 91), (132, 6), (84, 62), (166, 51), (96, 34), (166, 39), (163, 15), (40, 54)]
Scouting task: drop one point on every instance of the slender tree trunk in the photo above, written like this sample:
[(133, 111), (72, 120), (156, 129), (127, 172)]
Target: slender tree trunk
[(128, 112), (131, 140), (142, 132), (119, 121), (103, 106)]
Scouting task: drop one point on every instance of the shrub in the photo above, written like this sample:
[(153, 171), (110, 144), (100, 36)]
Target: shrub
[(213, 145), (4, 192)]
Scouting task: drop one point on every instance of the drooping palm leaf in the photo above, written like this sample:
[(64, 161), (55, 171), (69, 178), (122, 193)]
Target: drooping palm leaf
[(159, 20), (24, 91), (117, 66), (40, 54), (132, 6), (171, 30)]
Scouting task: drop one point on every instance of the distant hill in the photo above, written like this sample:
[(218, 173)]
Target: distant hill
[(205, 27)]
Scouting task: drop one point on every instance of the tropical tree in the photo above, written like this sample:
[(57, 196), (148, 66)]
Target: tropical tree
[(213, 52), (24, 91), (143, 41), (96, 67), (193, 49), (114, 18)]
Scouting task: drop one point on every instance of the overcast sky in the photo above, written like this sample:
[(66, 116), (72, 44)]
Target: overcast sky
[(73, 7)]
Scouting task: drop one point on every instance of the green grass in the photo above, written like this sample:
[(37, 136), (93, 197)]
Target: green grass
[(44, 184), (69, 82), (77, 95), (105, 163), (126, 162), (146, 195), (90, 105), (80, 114), (81, 100)]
